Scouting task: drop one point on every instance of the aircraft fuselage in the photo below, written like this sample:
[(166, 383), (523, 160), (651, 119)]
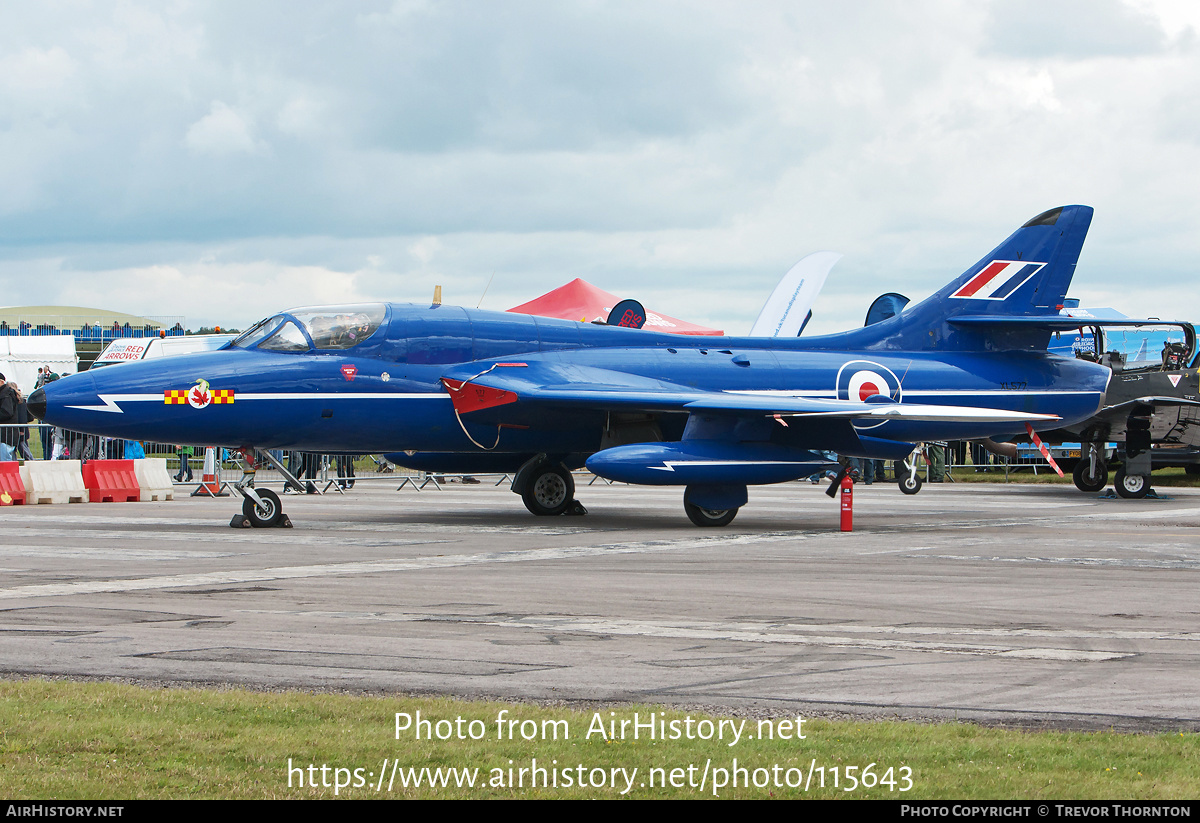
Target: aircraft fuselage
[(385, 394)]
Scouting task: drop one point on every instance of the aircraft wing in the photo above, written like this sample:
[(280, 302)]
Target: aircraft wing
[(1050, 322), (1121, 410), (531, 385), (849, 409)]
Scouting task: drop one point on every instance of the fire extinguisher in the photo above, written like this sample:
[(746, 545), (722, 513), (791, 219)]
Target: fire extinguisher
[(847, 503)]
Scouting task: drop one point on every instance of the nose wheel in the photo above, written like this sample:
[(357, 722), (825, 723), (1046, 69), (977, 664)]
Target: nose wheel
[(261, 508), (263, 515)]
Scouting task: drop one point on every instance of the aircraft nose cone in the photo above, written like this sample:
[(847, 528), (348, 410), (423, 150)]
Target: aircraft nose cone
[(37, 404)]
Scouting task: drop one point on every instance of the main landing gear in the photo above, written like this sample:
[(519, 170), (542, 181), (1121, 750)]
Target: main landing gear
[(714, 505), (549, 491), (547, 488), (910, 483), (709, 517), (908, 480)]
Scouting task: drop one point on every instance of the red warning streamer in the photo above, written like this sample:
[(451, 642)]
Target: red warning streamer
[(1037, 441)]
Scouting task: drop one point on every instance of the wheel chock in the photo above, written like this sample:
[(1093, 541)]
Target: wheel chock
[(575, 509), (240, 521), (1151, 494)]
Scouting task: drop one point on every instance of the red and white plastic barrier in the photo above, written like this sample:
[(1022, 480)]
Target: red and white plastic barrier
[(69, 481), (12, 488), (111, 481), (54, 481), (153, 479)]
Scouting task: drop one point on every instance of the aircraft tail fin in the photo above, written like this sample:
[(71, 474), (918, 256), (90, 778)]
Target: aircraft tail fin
[(1005, 301)]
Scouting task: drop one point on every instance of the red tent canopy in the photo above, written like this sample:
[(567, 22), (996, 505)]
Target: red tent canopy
[(580, 300)]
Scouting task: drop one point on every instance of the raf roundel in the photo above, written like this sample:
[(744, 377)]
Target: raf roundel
[(860, 380), (864, 384)]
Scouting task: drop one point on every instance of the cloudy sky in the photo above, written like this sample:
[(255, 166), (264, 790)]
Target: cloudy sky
[(220, 160)]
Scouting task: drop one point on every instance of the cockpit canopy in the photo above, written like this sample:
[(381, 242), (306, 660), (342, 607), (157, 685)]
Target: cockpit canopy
[(322, 327)]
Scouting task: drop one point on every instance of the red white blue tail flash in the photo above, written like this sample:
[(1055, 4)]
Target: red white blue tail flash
[(998, 280)]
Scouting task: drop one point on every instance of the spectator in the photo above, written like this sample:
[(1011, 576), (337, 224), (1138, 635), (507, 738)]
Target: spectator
[(980, 457), (9, 400), (295, 467), (185, 464), (935, 456), (853, 465), (873, 470), (46, 433), (22, 429), (311, 463), (345, 470)]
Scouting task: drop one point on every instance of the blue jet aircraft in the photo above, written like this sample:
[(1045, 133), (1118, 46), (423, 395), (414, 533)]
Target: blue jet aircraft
[(449, 389)]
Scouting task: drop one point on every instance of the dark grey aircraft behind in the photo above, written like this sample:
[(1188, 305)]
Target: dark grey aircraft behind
[(1151, 408)]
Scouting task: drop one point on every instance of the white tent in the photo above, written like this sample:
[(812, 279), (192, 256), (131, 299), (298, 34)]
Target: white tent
[(21, 357)]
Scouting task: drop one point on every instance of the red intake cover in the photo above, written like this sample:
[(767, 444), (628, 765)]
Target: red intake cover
[(469, 397)]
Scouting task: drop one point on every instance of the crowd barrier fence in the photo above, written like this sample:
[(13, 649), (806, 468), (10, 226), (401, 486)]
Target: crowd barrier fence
[(185, 464), (325, 473)]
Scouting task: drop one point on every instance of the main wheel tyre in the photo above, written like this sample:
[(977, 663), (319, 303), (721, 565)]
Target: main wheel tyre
[(266, 515), (910, 483), (1087, 482), (709, 517), (1131, 486), (549, 492)]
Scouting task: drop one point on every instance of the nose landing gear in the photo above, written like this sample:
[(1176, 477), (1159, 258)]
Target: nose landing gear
[(261, 508)]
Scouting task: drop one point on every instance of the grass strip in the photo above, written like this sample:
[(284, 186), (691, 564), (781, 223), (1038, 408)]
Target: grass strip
[(67, 740)]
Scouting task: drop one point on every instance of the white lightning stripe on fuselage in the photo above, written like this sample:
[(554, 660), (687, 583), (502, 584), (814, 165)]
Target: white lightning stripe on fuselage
[(111, 401), (908, 392), (669, 465)]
